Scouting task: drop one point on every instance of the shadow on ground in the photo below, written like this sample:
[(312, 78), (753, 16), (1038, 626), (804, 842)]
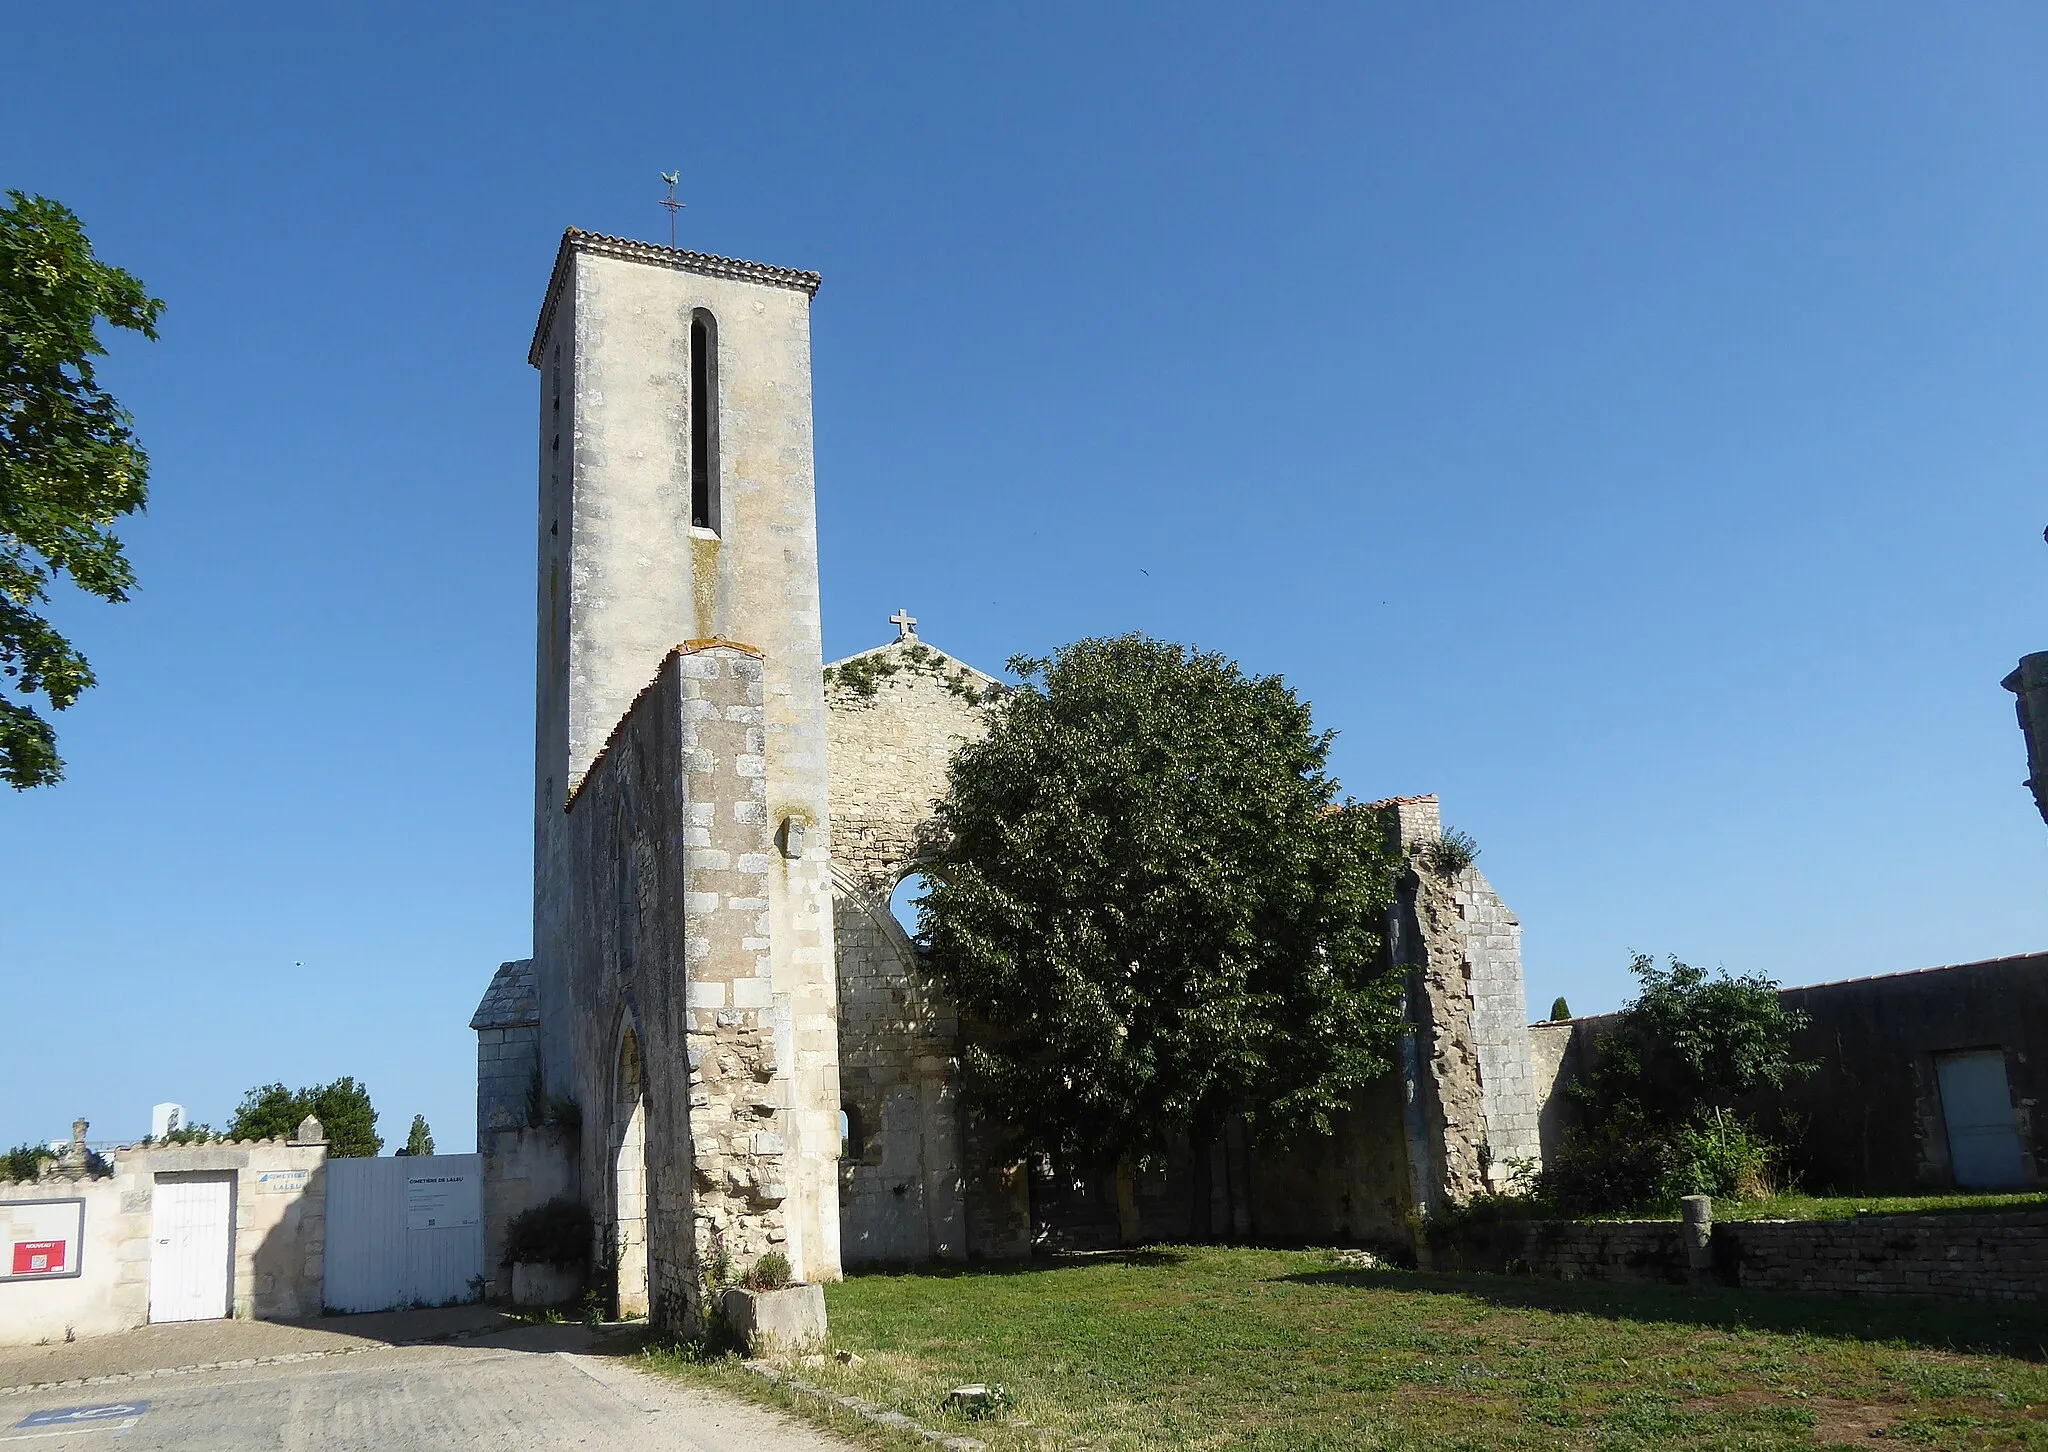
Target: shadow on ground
[(1037, 1264), (1962, 1327)]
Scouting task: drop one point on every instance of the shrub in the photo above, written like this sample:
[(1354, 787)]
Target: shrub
[(1722, 1157), (1451, 853), (769, 1273), (1659, 1104), (23, 1161), (557, 1233)]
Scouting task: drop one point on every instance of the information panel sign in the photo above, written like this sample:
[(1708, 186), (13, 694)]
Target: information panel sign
[(435, 1202), (41, 1240)]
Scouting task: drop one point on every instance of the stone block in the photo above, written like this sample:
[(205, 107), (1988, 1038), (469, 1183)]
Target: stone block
[(788, 1322)]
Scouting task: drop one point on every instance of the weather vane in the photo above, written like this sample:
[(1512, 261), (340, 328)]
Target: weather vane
[(674, 206)]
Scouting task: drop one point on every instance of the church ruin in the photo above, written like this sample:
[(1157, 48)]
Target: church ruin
[(756, 1056)]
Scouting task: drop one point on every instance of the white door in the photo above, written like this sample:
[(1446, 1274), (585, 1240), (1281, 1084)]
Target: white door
[(1983, 1145), (191, 1249)]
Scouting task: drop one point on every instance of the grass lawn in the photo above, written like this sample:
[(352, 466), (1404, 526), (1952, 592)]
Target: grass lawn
[(1220, 1348)]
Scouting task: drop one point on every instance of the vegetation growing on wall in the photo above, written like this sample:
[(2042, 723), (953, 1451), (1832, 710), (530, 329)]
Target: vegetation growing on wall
[(862, 675), (1451, 853), (24, 1161), (186, 1134), (1150, 912), (271, 1111), (543, 1108)]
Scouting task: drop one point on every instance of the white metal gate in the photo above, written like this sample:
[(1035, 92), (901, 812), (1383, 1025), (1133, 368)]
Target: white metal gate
[(1976, 1102), (403, 1231), (192, 1246)]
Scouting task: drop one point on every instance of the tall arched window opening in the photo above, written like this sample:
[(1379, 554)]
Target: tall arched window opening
[(703, 420), (906, 905)]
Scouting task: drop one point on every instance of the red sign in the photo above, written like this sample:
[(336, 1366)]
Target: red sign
[(38, 1257)]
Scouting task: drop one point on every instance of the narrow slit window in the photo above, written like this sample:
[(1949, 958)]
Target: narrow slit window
[(704, 420)]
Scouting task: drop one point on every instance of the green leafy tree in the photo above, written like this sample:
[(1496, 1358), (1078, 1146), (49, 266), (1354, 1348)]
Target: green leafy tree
[(1560, 1011), (1660, 1104), (271, 1111), (1154, 914), (419, 1140), (1691, 1043), (69, 463)]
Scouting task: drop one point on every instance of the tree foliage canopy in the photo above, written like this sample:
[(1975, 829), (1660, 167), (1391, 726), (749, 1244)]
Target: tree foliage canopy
[(419, 1140), (69, 462), (1691, 1042), (1660, 1104), (1152, 912), (271, 1111)]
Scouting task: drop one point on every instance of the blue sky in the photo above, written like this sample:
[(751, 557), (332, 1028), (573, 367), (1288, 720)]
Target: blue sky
[(1623, 420)]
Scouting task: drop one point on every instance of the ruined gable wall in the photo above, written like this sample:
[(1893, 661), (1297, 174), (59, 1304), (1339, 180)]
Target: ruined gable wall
[(1473, 1109), (889, 752), (902, 1196), (1500, 1024), (671, 854)]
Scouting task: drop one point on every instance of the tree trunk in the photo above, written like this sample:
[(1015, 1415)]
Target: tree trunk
[(1201, 1179), (1127, 1226)]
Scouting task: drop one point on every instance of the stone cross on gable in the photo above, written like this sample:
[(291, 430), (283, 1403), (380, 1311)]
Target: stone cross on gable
[(905, 623)]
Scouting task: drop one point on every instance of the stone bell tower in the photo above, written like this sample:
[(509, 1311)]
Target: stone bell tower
[(677, 520)]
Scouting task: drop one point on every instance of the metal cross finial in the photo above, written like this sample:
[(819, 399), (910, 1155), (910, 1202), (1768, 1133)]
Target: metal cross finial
[(905, 623), (669, 201)]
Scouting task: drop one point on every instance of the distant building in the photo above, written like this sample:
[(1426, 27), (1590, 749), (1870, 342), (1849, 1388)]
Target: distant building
[(165, 1119)]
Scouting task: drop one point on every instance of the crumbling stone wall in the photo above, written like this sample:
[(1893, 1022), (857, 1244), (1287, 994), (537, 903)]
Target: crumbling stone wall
[(895, 717), (1473, 1110), (671, 851), (926, 1180)]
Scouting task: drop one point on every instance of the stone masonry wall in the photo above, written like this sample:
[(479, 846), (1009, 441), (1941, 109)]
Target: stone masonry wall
[(1472, 1105), (1973, 1257), (671, 851), (1500, 1025), (623, 575), (279, 1240), (896, 715), (739, 1066)]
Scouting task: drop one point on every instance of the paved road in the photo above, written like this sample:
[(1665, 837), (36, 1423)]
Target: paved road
[(516, 1391)]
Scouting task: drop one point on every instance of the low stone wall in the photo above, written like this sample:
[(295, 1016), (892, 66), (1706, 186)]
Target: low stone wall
[(1965, 1257), (2000, 1256), (278, 1240)]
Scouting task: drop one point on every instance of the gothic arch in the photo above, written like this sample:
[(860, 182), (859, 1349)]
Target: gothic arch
[(628, 1143)]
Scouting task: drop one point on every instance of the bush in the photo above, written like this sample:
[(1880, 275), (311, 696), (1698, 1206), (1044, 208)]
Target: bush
[(557, 1233), (23, 1161), (1721, 1157), (1451, 853), (769, 1273), (1616, 1163), (1659, 1104)]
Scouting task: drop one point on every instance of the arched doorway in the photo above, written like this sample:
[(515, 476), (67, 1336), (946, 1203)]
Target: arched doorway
[(629, 1177)]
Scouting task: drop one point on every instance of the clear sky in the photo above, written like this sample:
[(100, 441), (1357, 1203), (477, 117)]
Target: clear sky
[(1625, 421)]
